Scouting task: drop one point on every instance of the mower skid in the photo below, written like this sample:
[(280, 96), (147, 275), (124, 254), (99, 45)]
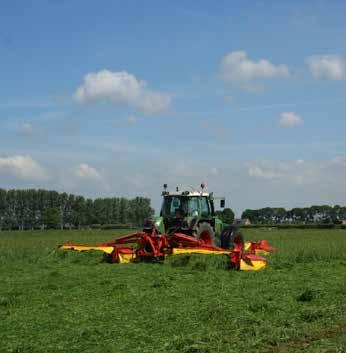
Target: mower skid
[(252, 263), (123, 255), (80, 247), (204, 251)]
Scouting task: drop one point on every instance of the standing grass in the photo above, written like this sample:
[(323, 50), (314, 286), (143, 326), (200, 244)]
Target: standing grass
[(54, 301)]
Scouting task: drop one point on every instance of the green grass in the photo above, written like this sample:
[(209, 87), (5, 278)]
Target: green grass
[(72, 302)]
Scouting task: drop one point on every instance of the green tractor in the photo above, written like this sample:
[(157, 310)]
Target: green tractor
[(193, 213)]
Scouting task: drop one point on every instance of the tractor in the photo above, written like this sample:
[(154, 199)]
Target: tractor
[(187, 224), (193, 213)]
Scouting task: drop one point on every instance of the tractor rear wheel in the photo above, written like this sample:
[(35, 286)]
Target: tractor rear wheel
[(230, 237), (205, 232), (148, 226)]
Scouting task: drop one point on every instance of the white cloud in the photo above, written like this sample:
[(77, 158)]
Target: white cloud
[(300, 172), (293, 183), (332, 67), (236, 66), (263, 172), (271, 170), (121, 88), (23, 167), (85, 171), (258, 183), (289, 120)]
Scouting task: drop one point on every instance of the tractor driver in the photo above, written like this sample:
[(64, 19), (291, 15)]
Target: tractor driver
[(178, 213)]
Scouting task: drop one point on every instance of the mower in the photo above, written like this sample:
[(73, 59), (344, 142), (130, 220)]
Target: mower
[(187, 224)]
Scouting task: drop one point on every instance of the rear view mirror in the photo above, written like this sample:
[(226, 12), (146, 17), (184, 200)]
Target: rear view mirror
[(222, 203)]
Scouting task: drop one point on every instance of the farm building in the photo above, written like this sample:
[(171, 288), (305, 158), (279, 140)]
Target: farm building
[(243, 221)]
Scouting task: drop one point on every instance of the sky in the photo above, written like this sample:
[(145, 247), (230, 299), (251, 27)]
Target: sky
[(116, 98)]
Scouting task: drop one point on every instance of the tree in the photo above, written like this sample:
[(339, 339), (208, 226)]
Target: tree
[(279, 215), (78, 211), (226, 215), (125, 210), (63, 209), (33, 211), (23, 209), (99, 211), (251, 215), (140, 210), (52, 218), (3, 207), (89, 212), (11, 210)]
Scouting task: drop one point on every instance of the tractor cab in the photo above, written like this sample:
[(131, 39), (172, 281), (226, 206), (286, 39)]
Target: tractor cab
[(185, 210), (187, 204)]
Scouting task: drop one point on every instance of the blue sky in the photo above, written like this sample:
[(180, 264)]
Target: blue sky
[(116, 98)]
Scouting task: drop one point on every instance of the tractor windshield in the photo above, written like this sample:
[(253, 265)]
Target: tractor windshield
[(180, 206)]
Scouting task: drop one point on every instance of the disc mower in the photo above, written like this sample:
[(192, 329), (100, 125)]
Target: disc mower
[(187, 224)]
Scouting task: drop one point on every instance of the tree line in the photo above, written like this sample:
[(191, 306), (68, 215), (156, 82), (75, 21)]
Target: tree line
[(226, 215), (308, 215), (32, 209)]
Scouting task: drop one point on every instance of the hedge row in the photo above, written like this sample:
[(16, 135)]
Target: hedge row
[(113, 226), (297, 226)]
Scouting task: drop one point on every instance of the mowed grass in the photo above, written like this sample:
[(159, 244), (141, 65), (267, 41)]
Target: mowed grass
[(52, 301)]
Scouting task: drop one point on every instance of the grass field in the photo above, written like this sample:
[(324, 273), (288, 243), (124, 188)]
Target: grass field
[(74, 303)]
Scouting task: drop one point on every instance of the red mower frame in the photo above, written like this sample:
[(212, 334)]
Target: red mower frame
[(154, 247)]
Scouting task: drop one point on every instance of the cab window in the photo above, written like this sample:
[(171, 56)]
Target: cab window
[(204, 204), (193, 208), (173, 204)]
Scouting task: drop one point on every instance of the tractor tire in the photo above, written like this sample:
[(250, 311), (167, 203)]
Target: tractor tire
[(148, 226), (206, 233), (231, 236)]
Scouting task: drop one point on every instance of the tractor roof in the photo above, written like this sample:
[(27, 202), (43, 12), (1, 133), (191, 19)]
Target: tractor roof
[(185, 193)]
